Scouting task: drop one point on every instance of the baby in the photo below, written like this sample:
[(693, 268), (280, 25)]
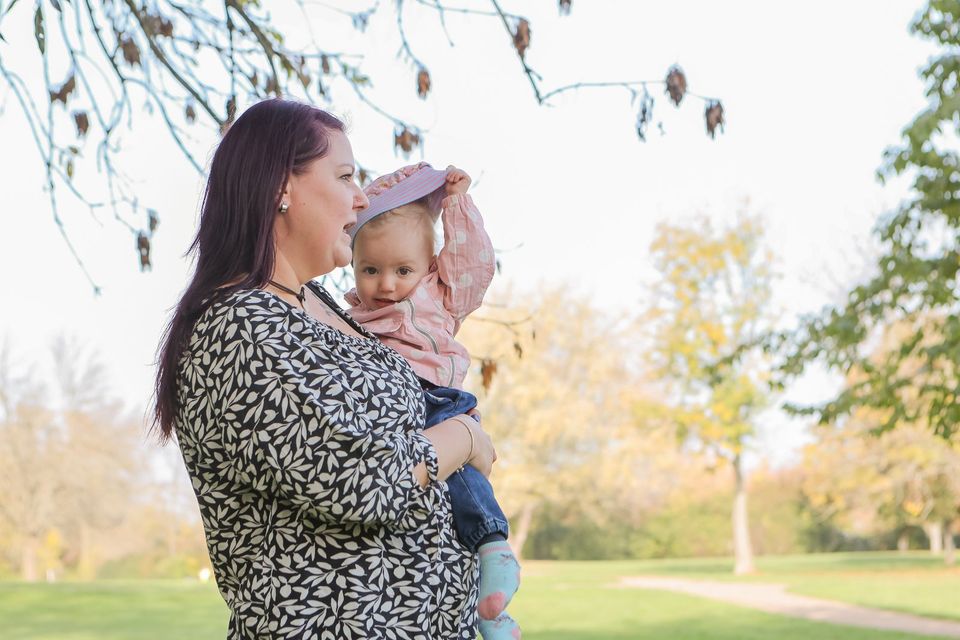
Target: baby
[(415, 300)]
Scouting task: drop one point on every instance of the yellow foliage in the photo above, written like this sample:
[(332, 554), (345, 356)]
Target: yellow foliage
[(563, 415)]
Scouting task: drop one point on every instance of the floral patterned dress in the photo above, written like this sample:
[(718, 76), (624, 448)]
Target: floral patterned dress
[(299, 441)]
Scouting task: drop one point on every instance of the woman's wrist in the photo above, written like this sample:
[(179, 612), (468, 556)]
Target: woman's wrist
[(466, 425)]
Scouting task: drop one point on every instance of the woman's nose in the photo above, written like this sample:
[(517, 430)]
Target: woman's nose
[(360, 200)]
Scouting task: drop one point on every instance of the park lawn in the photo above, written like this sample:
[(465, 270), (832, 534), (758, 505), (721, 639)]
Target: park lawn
[(111, 610), (914, 582), (558, 600), (582, 601)]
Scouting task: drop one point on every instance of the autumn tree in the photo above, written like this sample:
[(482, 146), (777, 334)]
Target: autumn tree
[(704, 315), (907, 476), (915, 281), (872, 484), (109, 69), (557, 402), (30, 452), (70, 458)]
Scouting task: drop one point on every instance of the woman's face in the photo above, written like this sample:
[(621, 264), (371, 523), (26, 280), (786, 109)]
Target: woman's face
[(324, 202)]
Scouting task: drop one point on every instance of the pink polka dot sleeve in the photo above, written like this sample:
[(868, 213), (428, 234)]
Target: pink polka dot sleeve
[(466, 262)]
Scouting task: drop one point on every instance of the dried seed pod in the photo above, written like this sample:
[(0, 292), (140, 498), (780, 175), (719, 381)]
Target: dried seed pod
[(190, 113), (714, 116), (68, 87), (166, 28), (153, 220), (231, 108), (157, 25), (82, 121), (143, 248), (272, 86), (676, 84), (565, 7), (521, 37), (406, 140), (325, 64), (131, 52), (423, 82), (488, 368)]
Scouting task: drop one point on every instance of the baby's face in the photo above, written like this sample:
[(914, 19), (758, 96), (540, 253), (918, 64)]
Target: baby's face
[(389, 261)]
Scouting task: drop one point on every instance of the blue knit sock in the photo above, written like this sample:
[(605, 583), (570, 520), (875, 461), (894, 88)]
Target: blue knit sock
[(499, 578), (503, 627)]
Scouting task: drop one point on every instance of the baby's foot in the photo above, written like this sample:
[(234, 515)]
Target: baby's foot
[(503, 627), (499, 578)]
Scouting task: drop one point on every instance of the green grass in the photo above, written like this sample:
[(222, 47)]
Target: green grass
[(558, 600), (914, 582), (111, 610)]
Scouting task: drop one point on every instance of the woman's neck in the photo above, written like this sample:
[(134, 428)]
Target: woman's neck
[(286, 275)]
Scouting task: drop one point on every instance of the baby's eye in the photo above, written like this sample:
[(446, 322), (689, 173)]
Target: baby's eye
[(370, 271), (404, 271)]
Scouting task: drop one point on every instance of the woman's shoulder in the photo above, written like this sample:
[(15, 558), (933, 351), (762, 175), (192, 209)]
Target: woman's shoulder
[(244, 307)]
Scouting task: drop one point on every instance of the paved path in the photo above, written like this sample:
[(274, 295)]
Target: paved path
[(773, 598)]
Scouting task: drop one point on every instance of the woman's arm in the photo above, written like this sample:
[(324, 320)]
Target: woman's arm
[(295, 420), (458, 441)]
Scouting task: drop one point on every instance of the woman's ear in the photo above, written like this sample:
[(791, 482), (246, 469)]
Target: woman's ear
[(284, 198)]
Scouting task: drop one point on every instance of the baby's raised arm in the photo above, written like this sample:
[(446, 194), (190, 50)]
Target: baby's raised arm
[(466, 263)]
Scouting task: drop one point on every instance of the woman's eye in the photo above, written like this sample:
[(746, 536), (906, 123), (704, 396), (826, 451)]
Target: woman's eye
[(347, 176)]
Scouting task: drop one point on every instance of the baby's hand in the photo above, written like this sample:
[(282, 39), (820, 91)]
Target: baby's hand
[(457, 181)]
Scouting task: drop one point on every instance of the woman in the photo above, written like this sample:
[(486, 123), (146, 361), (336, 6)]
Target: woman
[(301, 433)]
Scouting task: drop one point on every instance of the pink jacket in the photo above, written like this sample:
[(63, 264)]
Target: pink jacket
[(422, 326)]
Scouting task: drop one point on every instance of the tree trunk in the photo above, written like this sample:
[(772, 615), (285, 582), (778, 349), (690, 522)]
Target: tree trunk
[(903, 541), (935, 532), (949, 548), (519, 534), (28, 559), (742, 548), (86, 565)]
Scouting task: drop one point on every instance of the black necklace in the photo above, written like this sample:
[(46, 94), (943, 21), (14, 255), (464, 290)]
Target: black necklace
[(299, 296)]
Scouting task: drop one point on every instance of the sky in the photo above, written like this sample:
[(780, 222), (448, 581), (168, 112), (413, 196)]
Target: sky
[(813, 93)]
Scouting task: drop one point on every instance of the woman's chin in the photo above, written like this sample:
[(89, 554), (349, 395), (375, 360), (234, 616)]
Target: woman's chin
[(342, 256)]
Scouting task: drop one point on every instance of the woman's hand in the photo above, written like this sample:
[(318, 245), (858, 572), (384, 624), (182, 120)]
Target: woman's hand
[(457, 181), (484, 454)]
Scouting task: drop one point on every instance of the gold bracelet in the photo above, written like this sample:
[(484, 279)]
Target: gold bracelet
[(472, 441)]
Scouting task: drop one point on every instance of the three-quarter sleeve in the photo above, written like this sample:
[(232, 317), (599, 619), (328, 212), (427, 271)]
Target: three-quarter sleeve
[(466, 263), (328, 437)]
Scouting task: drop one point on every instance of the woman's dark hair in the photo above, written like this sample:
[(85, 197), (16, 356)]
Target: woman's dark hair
[(234, 246)]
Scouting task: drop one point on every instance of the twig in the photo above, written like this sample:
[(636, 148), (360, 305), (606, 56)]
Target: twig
[(166, 63), (526, 68), (404, 43), (435, 4)]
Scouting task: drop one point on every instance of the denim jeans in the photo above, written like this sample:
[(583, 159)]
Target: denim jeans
[(476, 513)]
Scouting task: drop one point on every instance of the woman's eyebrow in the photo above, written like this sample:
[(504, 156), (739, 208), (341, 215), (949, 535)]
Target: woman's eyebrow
[(346, 165)]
